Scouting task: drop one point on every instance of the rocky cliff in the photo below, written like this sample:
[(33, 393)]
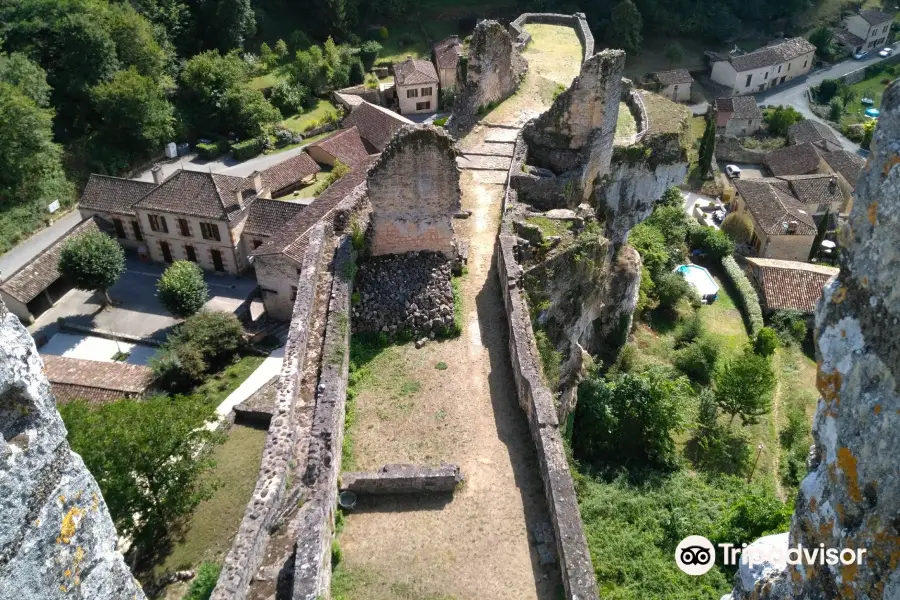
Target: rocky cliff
[(851, 497), (56, 537)]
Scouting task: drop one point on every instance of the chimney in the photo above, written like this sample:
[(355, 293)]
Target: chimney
[(792, 226), (238, 196), (157, 174), (832, 184), (257, 181)]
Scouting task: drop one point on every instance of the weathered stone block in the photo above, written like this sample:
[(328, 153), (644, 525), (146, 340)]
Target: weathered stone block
[(403, 479)]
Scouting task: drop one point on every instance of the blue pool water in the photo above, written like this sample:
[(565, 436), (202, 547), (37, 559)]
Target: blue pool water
[(701, 280)]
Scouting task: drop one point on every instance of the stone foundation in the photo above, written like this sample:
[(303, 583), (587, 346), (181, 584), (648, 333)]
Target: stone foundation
[(403, 479), (578, 22)]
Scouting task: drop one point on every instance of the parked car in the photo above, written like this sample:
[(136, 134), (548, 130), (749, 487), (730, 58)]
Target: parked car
[(860, 55), (885, 52), (733, 171)]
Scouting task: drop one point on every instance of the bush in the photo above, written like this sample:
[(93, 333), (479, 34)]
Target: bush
[(369, 53), (448, 98), (287, 98), (745, 385), (781, 118), (670, 288), (672, 197), (205, 582), (827, 90), (689, 330), (177, 368), (383, 33), (718, 448), (92, 261), (766, 342), (790, 326), (650, 243), (551, 358), (795, 439), (357, 72), (213, 150), (248, 148), (698, 360), (440, 122), (747, 297), (738, 227), (286, 137), (713, 242), (182, 289), (751, 517), (217, 335), (835, 110)]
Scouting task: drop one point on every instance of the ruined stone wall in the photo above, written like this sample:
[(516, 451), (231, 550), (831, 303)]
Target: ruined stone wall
[(277, 274), (578, 22), (57, 539), (536, 400), (403, 479), (414, 193), (851, 497), (246, 552)]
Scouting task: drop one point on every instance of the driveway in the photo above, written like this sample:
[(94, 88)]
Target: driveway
[(793, 93), (13, 260), (137, 312)]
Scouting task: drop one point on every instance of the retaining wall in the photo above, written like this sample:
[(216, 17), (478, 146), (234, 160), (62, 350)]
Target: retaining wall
[(860, 74), (536, 400), (247, 550), (403, 479), (576, 21)]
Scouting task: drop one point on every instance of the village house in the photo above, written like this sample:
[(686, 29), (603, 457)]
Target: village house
[(445, 54), (802, 159), (416, 83), (96, 382), (345, 146), (782, 226), (266, 217), (738, 116), (764, 68), (674, 85), (289, 175), (111, 200), (376, 125), (869, 29), (810, 131), (788, 284)]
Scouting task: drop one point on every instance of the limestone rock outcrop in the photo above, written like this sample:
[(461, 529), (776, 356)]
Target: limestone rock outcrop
[(851, 497), (56, 536), (489, 75)]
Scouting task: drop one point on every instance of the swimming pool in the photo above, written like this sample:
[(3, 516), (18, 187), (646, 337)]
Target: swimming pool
[(701, 280)]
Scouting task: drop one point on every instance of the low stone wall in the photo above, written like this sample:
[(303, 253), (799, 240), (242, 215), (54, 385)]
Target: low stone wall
[(246, 552), (403, 479), (860, 74), (577, 21), (312, 562), (536, 400), (729, 150), (635, 104)]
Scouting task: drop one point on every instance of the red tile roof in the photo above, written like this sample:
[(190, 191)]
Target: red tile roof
[(376, 124), (113, 194), (94, 380), (289, 172), (199, 194), (801, 159), (788, 284), (414, 71), (268, 216), (447, 51), (345, 146)]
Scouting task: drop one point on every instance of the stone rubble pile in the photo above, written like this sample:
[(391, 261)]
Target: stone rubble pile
[(409, 293)]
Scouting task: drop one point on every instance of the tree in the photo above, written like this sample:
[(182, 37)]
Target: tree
[(847, 94), (738, 227), (713, 242), (148, 457), (821, 38), (250, 114), (698, 359), (229, 23), (629, 421), (135, 41), (624, 29), (182, 289), (835, 110), (671, 197), (30, 79), (205, 80), (92, 261), (651, 245), (827, 90), (369, 53), (766, 342), (281, 50), (707, 148), (357, 72), (217, 335), (288, 98), (744, 386), (780, 119), (674, 52), (267, 56), (670, 288)]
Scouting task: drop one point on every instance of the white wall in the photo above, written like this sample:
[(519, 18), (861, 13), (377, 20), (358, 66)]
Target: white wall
[(408, 105), (724, 74), (871, 33), (677, 93)]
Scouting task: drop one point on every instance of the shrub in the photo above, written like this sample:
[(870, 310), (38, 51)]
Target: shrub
[(212, 151), (286, 137), (744, 386), (795, 439), (448, 98), (651, 245), (205, 582), (750, 517), (629, 421), (835, 110), (747, 297), (738, 227), (781, 118), (698, 360), (92, 261), (672, 197), (177, 368), (440, 122), (248, 148), (790, 326), (827, 90), (670, 288), (217, 335), (383, 33), (625, 360), (357, 72), (718, 448), (288, 98), (182, 289), (368, 51), (713, 242), (407, 39), (689, 330), (551, 358), (766, 342)]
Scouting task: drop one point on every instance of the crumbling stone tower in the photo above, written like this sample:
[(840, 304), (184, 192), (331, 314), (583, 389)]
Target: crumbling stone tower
[(414, 193)]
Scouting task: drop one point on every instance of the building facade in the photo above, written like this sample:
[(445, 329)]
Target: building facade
[(871, 27), (445, 54), (764, 68), (674, 85), (738, 115), (782, 227), (416, 83)]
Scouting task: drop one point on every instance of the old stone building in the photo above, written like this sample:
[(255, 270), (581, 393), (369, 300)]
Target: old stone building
[(416, 83), (345, 146), (782, 227), (112, 199), (414, 193), (376, 125)]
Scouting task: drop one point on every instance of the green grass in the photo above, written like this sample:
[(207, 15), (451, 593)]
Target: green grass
[(359, 584), (217, 387), (268, 79), (626, 126), (303, 121), (871, 87), (722, 319), (551, 227), (209, 532)]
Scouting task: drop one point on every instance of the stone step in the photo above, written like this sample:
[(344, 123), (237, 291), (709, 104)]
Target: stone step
[(501, 134), (483, 163), (492, 149)]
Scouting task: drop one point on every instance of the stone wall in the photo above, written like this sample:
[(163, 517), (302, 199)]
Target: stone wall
[(246, 552), (536, 400), (403, 479), (57, 539), (851, 497), (578, 22), (414, 193), (729, 149)]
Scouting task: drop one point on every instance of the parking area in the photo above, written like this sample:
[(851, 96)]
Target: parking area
[(137, 313), (750, 170)]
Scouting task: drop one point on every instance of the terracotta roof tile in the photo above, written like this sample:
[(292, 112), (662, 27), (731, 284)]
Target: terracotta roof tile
[(740, 107), (774, 209), (199, 194), (268, 216), (846, 163), (95, 380), (113, 194), (772, 54), (289, 172), (414, 71), (811, 131), (35, 276), (787, 284), (674, 77), (814, 190), (446, 52), (801, 159), (345, 146), (376, 125)]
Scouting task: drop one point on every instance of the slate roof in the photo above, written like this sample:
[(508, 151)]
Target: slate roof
[(35, 276), (801, 159), (740, 107), (268, 216), (811, 131), (846, 163), (345, 146), (199, 194), (376, 125), (113, 194), (446, 52), (351, 100), (293, 239), (93, 380), (289, 172), (772, 55), (788, 284), (875, 17), (674, 77), (814, 190), (414, 71), (773, 208)]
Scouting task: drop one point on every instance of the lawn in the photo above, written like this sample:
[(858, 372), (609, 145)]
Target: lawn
[(311, 118), (871, 87), (268, 80), (217, 387)]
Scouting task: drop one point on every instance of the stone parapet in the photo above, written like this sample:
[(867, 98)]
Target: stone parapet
[(577, 21), (403, 479)]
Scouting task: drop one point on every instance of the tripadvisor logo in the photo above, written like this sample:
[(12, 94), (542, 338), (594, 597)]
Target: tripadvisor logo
[(696, 555)]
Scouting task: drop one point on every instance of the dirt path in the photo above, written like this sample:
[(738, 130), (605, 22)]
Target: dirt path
[(455, 401)]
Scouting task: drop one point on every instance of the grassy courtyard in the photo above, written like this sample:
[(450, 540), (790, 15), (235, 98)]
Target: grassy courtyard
[(872, 87), (311, 118)]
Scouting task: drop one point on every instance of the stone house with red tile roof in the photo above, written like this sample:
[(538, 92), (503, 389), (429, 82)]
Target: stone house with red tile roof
[(788, 284), (376, 125), (783, 228), (416, 83), (446, 54), (111, 200), (289, 175), (97, 382), (345, 146)]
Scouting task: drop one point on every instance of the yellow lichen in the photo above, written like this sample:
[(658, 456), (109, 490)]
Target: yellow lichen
[(839, 295), (829, 384), (890, 163), (69, 525), (877, 409), (872, 214), (847, 463)]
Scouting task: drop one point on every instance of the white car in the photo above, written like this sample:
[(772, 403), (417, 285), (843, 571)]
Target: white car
[(733, 171), (886, 52), (860, 55)]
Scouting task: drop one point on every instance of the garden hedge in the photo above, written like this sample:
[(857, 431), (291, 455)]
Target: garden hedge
[(213, 150), (746, 294), (248, 149)]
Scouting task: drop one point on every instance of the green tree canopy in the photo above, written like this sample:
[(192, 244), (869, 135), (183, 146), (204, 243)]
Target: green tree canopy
[(707, 148), (738, 227), (182, 289), (781, 118), (135, 41), (624, 29), (821, 38), (30, 79), (92, 261), (744, 386), (674, 53)]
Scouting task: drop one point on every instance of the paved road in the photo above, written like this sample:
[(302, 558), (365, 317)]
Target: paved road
[(794, 93), (25, 251)]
